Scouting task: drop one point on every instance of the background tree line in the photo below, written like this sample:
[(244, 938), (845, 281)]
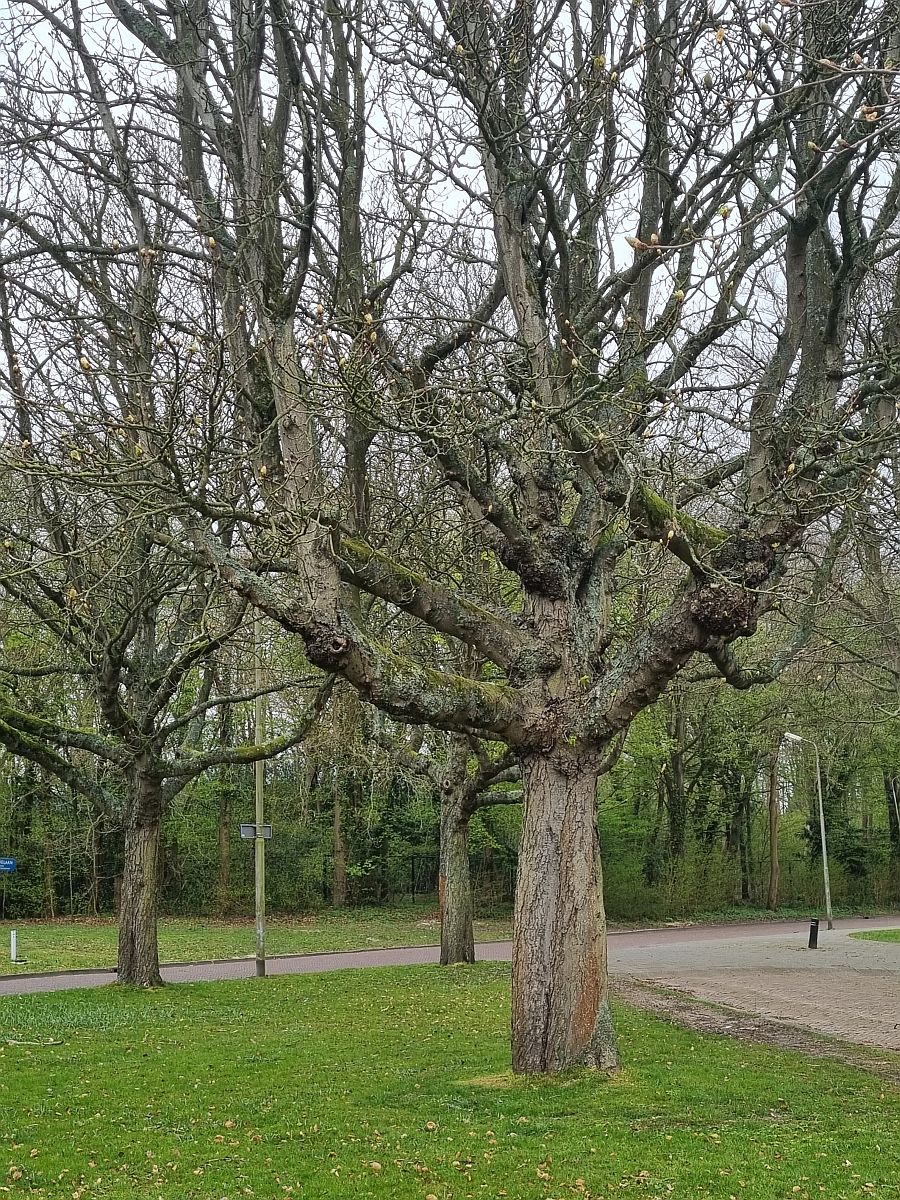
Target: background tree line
[(685, 817)]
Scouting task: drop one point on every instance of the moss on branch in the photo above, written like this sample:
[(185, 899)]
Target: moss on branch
[(443, 698), (663, 518), (415, 580), (438, 605)]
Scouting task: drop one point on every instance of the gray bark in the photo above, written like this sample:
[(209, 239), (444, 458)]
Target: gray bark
[(455, 882), (560, 990), (139, 907)]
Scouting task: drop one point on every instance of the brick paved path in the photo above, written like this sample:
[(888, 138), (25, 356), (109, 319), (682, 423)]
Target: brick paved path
[(848, 988)]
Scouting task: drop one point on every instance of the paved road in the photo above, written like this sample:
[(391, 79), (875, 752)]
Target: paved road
[(848, 988)]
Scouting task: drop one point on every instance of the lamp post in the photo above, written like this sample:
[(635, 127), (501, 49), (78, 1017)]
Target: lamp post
[(896, 804), (259, 784), (797, 740)]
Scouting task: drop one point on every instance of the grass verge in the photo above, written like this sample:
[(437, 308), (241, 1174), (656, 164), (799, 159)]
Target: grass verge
[(69, 944), (878, 935), (395, 1084), (747, 913)]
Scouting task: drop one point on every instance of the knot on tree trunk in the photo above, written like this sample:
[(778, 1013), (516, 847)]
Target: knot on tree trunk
[(328, 647), (725, 611), (542, 574), (729, 607)]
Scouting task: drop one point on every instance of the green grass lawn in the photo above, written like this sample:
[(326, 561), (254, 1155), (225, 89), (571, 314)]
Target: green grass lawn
[(878, 935), (67, 944), (394, 1083)]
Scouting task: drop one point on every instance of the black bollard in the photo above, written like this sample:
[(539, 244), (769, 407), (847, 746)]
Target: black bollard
[(814, 933)]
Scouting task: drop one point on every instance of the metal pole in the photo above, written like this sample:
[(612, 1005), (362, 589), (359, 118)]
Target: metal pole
[(13, 946), (824, 846), (259, 780)]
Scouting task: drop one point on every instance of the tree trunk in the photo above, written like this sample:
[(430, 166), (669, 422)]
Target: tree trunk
[(46, 842), (892, 796), (674, 781), (652, 868), (94, 893), (774, 822), (560, 987), (455, 882), (339, 879), (746, 843), (138, 949), (223, 841), (49, 885)]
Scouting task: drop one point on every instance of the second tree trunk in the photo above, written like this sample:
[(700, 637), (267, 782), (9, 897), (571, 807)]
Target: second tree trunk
[(455, 883)]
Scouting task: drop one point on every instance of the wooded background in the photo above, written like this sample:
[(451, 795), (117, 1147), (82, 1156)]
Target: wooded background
[(684, 818)]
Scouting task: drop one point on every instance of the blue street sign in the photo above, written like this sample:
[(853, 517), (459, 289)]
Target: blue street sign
[(7, 866)]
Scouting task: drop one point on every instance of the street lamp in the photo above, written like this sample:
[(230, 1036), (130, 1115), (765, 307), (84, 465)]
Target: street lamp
[(259, 776), (893, 793), (797, 740)]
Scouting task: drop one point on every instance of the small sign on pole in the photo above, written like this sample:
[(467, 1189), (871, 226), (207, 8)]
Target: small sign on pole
[(248, 832), (7, 867)]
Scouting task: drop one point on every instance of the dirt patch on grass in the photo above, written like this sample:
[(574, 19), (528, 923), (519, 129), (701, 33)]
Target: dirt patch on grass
[(702, 1017)]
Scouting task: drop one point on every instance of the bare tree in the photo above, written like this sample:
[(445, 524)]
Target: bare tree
[(560, 289), (90, 575)]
